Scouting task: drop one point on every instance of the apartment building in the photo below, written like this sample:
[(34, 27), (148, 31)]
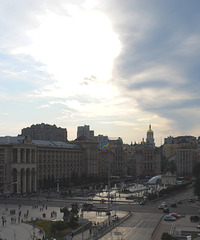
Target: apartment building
[(45, 132)]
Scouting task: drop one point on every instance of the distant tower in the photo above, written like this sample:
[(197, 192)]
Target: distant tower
[(85, 131), (150, 138)]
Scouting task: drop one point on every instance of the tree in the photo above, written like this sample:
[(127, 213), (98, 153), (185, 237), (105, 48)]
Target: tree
[(197, 186), (167, 236), (196, 169), (172, 166)]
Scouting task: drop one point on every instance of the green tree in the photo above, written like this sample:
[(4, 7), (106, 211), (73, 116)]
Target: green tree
[(196, 169), (167, 236), (197, 186), (172, 166)]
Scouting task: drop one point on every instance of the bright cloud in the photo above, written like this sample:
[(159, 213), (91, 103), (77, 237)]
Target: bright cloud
[(74, 47)]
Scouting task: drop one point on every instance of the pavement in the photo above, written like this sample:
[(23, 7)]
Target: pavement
[(13, 218)]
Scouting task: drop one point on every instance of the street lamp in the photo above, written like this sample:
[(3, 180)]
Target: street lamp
[(58, 181)]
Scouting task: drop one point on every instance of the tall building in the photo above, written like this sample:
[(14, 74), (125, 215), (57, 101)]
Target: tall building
[(89, 156), (150, 137), (45, 132), (148, 160), (144, 159), (100, 139), (85, 131), (111, 159), (187, 155)]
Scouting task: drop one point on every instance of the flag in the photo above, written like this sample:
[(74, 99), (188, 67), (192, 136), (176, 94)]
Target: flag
[(105, 144)]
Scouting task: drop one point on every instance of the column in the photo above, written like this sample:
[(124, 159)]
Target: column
[(30, 158), (23, 181), (18, 155), (24, 156), (18, 181), (34, 182), (29, 188)]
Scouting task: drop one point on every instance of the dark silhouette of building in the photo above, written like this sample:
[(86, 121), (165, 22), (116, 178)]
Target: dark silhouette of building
[(45, 132)]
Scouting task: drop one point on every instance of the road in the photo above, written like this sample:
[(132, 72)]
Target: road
[(144, 219), (138, 226)]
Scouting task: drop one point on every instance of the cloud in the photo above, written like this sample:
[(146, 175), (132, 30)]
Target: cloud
[(158, 64), (117, 65)]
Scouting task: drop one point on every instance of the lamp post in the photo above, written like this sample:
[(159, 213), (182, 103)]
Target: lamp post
[(108, 188), (58, 181)]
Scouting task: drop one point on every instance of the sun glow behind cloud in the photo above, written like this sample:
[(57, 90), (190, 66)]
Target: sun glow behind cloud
[(73, 48)]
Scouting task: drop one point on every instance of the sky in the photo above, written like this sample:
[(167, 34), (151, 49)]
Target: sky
[(115, 65)]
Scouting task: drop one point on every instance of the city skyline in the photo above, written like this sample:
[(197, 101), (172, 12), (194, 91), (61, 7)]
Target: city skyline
[(116, 66)]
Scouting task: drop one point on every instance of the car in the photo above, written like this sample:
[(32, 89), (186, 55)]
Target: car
[(114, 218), (198, 226), (169, 218), (102, 200), (191, 200), (194, 218), (179, 202), (131, 197), (142, 202), (89, 207), (175, 215), (173, 205), (110, 195), (166, 210), (162, 205)]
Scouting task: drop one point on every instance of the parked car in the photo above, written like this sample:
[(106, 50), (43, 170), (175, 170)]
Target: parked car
[(191, 200), (142, 202), (166, 210), (131, 197), (173, 205), (194, 218), (175, 215), (169, 218), (89, 207), (114, 218), (162, 205)]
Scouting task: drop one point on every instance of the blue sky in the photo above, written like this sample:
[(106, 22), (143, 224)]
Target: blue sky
[(115, 65)]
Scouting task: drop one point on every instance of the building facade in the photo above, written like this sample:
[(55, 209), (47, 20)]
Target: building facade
[(45, 132), (27, 165), (84, 131), (89, 156)]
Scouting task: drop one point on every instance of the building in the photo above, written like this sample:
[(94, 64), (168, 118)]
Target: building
[(89, 156), (100, 139), (155, 180), (29, 165), (148, 161), (150, 137), (169, 140), (111, 159), (186, 158), (169, 179), (45, 132), (85, 132), (169, 150), (146, 157), (184, 151)]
